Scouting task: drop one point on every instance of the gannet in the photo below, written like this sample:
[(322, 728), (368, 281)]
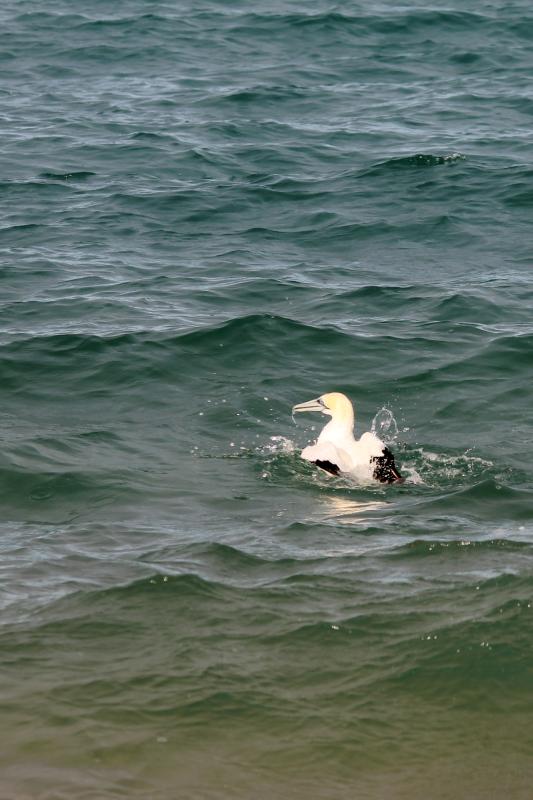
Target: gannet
[(337, 451)]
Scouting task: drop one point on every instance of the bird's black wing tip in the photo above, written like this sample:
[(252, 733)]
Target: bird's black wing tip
[(385, 470), (328, 466)]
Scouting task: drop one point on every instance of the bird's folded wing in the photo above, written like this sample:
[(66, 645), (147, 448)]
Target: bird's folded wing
[(370, 446), (327, 451)]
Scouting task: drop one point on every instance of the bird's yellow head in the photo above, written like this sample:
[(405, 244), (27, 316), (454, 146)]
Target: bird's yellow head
[(334, 404)]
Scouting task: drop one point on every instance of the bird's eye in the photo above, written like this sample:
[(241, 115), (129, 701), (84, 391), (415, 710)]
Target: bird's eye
[(320, 402)]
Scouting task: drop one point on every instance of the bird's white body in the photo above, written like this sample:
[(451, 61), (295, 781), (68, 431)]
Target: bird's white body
[(351, 455), (336, 447)]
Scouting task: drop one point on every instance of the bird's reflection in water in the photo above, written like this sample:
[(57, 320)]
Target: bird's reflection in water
[(346, 511)]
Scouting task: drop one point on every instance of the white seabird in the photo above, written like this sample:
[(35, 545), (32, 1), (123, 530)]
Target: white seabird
[(337, 451)]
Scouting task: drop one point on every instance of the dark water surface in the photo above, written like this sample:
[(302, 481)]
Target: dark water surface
[(212, 211)]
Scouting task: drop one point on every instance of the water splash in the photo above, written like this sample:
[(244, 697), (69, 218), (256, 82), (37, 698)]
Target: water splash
[(279, 444), (441, 469), (384, 426)]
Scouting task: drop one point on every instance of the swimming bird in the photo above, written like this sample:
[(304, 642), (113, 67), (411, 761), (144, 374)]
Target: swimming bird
[(337, 451)]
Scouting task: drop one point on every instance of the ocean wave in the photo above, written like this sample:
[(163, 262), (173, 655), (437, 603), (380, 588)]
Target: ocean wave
[(126, 359), (64, 491), (339, 21), (418, 160), (423, 548), (76, 176)]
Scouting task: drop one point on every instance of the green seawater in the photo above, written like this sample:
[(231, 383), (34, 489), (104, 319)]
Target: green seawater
[(210, 212)]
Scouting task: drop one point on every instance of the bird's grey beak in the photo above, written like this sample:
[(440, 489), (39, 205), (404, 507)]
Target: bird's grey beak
[(311, 405)]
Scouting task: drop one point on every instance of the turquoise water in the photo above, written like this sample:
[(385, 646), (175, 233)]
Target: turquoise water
[(211, 212)]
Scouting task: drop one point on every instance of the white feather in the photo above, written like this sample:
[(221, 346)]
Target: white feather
[(327, 451)]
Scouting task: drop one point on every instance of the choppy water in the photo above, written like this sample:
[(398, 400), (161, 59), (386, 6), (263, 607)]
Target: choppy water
[(212, 211)]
